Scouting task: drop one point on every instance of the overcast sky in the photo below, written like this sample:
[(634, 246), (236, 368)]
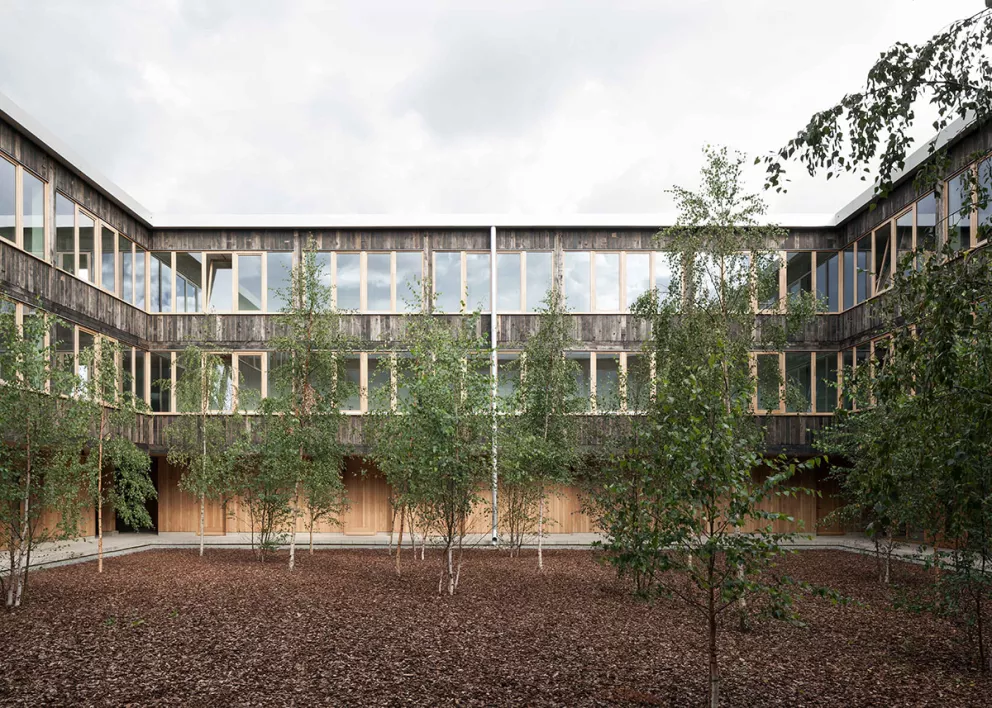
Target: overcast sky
[(309, 106)]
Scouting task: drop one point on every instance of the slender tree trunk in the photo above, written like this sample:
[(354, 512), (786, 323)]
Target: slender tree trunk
[(311, 533), (451, 572), (203, 479), (292, 536), (714, 667), (399, 540), (203, 521), (14, 593), (392, 525), (540, 532), (413, 533), (99, 496)]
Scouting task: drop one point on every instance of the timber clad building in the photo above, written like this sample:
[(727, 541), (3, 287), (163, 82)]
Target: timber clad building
[(74, 244)]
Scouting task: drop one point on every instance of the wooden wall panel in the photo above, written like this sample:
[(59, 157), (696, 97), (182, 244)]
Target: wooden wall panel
[(179, 511)]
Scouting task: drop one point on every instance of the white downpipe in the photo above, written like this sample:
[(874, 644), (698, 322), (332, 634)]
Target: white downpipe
[(492, 369)]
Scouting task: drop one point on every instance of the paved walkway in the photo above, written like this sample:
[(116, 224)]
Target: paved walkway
[(84, 549)]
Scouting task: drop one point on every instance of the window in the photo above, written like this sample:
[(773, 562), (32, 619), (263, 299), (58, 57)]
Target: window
[(249, 283), (926, 224), (189, 282), (353, 372), (798, 376), (509, 285), (63, 338), (799, 272), (607, 382), (348, 281), (608, 282), (161, 282), (663, 273), (538, 278), (448, 281), (847, 399), (8, 199), (33, 208), (904, 238), (65, 234), (984, 200), (769, 394), (86, 267), (768, 268), (638, 382), (507, 375), (126, 254), (379, 387), (827, 280), (409, 271), (249, 381), (864, 268), (826, 382), (637, 276), (378, 282), (127, 371), (576, 277), (276, 373), (139, 277), (959, 208), (220, 282), (280, 280), (139, 375), (850, 282), (324, 269), (477, 282), (161, 365), (883, 258), (583, 374), (108, 259), (86, 342), (221, 396)]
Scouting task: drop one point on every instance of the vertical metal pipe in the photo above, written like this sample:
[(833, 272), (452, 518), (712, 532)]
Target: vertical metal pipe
[(492, 368)]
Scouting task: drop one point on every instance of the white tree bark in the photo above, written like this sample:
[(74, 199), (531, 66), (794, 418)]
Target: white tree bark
[(540, 532), (203, 522)]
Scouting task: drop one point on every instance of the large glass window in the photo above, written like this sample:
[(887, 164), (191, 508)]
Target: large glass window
[(33, 206), (249, 381), (222, 393), (126, 254), (767, 271), (161, 282), (608, 282), (926, 223), (798, 379), (769, 396), (127, 376), (189, 281), (86, 343), (638, 382), (65, 234), (379, 391), (249, 283), (883, 258), (108, 259), (508, 283), (161, 365), (638, 276), (220, 281), (607, 382), (984, 200), (87, 247), (538, 276), (583, 374), (577, 286), (864, 275), (63, 340), (139, 277), (959, 208), (799, 272), (478, 278), (279, 274), (448, 281), (826, 382), (139, 374), (378, 282), (353, 371), (8, 199), (409, 271), (826, 280), (348, 281), (850, 279), (663, 273), (904, 238), (507, 375)]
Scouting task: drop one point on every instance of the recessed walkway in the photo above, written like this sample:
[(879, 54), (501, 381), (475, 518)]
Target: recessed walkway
[(85, 549)]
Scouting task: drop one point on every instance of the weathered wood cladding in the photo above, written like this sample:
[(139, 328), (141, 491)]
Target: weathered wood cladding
[(78, 187), (595, 332)]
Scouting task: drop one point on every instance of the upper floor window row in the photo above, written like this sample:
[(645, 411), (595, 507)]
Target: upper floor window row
[(22, 208)]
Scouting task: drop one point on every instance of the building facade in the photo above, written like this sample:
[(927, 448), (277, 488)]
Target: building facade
[(75, 245)]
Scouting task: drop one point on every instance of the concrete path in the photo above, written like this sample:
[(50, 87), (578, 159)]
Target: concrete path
[(85, 549)]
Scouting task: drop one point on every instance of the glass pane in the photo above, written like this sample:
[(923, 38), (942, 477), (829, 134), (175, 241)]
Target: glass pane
[(883, 258), (161, 364), (139, 277), (638, 276), (220, 279), (863, 275), (959, 208), (984, 199), (904, 238), (161, 282), (662, 273), (507, 375), (353, 370), (798, 375), (847, 400), (108, 260), (826, 382), (323, 261), (926, 224), (280, 280), (768, 266), (378, 282), (139, 374), (189, 281), (582, 374), (34, 214), (86, 342), (608, 282), (826, 280), (249, 381), (409, 271), (222, 393), (478, 279), (538, 279), (448, 281), (65, 238), (62, 339), (276, 374), (607, 382), (249, 283), (798, 272), (126, 256), (87, 248), (8, 198), (638, 382), (508, 282), (127, 378), (850, 285), (768, 382), (349, 281), (577, 289), (378, 389)]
